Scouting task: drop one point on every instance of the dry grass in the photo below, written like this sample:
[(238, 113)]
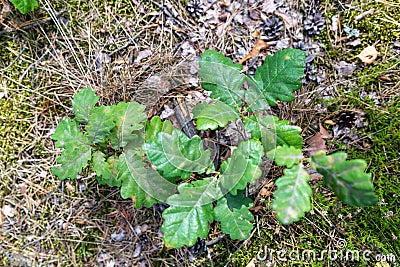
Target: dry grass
[(71, 223)]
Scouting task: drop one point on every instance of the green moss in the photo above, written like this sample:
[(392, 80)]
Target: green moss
[(380, 29), (15, 110)]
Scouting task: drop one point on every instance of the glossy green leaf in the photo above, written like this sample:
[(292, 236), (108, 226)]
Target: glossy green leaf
[(242, 167), (222, 77), (154, 126), (273, 132), (347, 178), (25, 6), (129, 117), (214, 115), (176, 156), (68, 134), (292, 198), (254, 98), (238, 200), (235, 222), (83, 103), (285, 155), (77, 150), (103, 171), (280, 75), (100, 122), (72, 160), (143, 184), (190, 213)]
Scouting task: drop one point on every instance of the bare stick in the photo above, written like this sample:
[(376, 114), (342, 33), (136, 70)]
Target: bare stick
[(33, 24)]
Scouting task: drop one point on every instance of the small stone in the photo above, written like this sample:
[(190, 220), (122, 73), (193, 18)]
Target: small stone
[(9, 211), (118, 236)]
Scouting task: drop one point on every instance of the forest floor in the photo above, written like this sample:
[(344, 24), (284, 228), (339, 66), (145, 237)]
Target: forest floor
[(137, 50)]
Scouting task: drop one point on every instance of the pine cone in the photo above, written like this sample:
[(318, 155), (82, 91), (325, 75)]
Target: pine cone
[(194, 8), (310, 73), (301, 45), (272, 28), (314, 24)]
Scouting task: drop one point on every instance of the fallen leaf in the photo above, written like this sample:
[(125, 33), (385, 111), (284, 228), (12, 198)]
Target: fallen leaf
[(252, 263), (316, 143), (256, 34), (256, 208), (384, 78), (368, 55), (329, 122), (258, 46), (324, 132), (265, 192), (344, 69)]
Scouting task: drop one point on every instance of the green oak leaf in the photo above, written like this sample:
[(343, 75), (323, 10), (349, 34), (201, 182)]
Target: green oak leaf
[(144, 185), (280, 75), (104, 172), (238, 200), (68, 134), (190, 213), (25, 6), (176, 156), (347, 178), (292, 198), (83, 103), (254, 98), (273, 132), (235, 222), (73, 160), (100, 122), (285, 155), (154, 126), (242, 167), (129, 117), (77, 151), (214, 115), (222, 77)]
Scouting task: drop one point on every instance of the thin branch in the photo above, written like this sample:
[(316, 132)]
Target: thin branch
[(33, 24), (15, 60)]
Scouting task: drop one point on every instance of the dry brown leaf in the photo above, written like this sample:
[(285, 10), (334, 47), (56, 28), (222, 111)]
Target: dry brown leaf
[(324, 132), (256, 208), (329, 122), (368, 55), (258, 46), (265, 192), (256, 34), (316, 143)]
